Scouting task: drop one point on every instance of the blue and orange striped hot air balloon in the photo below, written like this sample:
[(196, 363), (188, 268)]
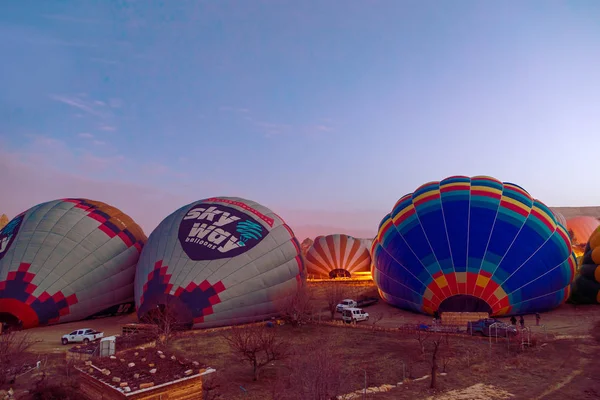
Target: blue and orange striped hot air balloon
[(472, 244)]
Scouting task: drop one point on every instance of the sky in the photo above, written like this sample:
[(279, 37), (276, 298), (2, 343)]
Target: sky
[(325, 111)]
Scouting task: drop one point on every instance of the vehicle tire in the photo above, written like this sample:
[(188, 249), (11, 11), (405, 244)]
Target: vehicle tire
[(65, 342), (366, 319), (86, 341)]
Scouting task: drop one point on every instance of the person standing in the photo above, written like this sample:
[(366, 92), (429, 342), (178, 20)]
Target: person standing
[(537, 319), (522, 321), (513, 321)]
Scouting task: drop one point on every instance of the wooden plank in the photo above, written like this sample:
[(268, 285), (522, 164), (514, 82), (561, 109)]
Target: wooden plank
[(458, 318), (189, 389)]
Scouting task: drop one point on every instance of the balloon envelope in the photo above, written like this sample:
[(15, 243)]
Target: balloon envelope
[(67, 260), (219, 261), (337, 255), (580, 229), (586, 286), (560, 218), (472, 244)]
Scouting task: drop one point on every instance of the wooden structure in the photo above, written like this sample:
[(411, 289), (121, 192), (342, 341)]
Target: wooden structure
[(461, 318), (73, 356), (188, 388), (132, 329)]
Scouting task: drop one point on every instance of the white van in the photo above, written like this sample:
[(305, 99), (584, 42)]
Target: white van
[(354, 315)]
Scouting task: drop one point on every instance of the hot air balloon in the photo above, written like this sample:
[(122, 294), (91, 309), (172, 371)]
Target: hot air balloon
[(335, 256), (67, 260), (586, 286), (472, 244), (560, 218), (580, 229), (217, 262)]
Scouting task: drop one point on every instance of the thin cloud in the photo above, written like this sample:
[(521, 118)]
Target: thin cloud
[(107, 128), (86, 135), (79, 103), (98, 143)]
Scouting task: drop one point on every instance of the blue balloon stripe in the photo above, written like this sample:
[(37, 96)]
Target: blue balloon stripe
[(396, 288), (455, 215), (539, 304), (538, 262), (389, 265), (435, 231), (529, 243)]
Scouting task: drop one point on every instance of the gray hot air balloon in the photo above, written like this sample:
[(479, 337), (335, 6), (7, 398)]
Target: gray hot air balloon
[(219, 261), (67, 260)]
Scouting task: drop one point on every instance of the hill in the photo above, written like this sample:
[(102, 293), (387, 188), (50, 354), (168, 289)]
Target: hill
[(571, 212)]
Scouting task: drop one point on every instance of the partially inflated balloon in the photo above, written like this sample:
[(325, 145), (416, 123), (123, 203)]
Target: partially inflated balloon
[(67, 260), (560, 218), (580, 229), (472, 244), (586, 287), (219, 261), (337, 255)]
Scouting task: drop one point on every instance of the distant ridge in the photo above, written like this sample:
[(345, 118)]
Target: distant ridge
[(571, 212)]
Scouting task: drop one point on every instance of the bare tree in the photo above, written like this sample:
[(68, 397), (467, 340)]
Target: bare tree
[(257, 345), (165, 320), (440, 346), (297, 310), (13, 347), (334, 293), (434, 367), (422, 338), (317, 375), (447, 354)]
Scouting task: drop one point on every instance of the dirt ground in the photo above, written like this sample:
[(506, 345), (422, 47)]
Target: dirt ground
[(47, 339), (564, 364)]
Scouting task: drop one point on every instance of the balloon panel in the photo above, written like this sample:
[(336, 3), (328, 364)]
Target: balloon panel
[(219, 261), (472, 238), (67, 260)]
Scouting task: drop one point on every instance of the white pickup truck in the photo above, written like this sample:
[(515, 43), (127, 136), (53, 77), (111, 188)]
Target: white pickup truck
[(82, 336), (362, 302)]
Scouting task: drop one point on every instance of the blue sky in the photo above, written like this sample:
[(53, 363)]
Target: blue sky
[(313, 107)]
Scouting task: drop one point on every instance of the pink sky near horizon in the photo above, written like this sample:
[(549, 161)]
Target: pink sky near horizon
[(48, 169), (32, 177)]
